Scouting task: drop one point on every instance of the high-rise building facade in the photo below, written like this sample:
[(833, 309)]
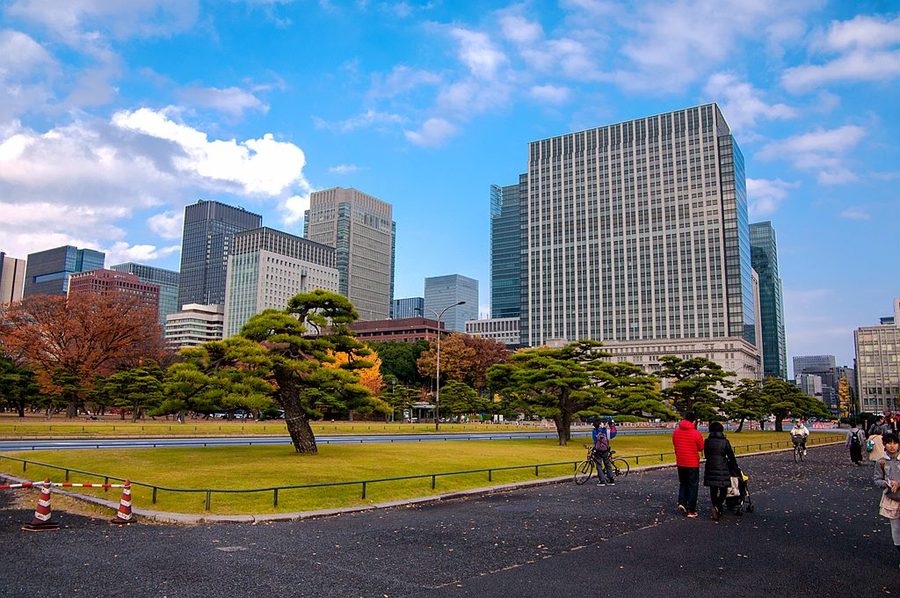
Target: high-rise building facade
[(167, 280), (407, 307), (804, 364), (12, 279), (764, 252), (878, 365), (110, 282), (637, 234), (47, 272), (267, 267), (501, 330), (205, 246), (194, 325), (444, 291), (506, 250), (361, 229)]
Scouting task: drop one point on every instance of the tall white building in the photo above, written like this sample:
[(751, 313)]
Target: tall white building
[(267, 267), (637, 234), (444, 291), (194, 325), (361, 229), (878, 364)]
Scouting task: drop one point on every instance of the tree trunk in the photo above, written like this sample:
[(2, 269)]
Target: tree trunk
[(302, 436), (740, 426), (72, 410), (778, 420), (563, 427)]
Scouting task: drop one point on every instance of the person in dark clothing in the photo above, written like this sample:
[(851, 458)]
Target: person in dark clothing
[(721, 464)]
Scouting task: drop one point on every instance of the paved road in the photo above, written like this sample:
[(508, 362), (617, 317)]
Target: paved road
[(815, 531)]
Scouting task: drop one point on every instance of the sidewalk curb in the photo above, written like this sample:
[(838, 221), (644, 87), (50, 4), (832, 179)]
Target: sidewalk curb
[(192, 519)]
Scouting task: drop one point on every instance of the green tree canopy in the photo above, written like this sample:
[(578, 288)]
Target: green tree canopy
[(746, 402), (783, 399), (284, 355), (697, 385), (553, 383), (399, 360), (137, 389), (18, 386)]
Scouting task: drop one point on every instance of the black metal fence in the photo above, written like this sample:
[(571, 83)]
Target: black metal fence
[(648, 459)]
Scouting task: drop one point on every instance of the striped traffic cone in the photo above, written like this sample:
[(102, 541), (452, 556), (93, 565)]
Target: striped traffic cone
[(123, 515), (41, 521)]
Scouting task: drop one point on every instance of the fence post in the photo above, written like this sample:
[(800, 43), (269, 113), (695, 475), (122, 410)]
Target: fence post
[(67, 475), (208, 498), (490, 477), (433, 481), (154, 495), (660, 456), (363, 489), (536, 470), (24, 464), (636, 459), (106, 482), (276, 497)]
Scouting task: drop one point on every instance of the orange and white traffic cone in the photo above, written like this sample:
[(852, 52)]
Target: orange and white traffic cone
[(42, 516), (123, 515)]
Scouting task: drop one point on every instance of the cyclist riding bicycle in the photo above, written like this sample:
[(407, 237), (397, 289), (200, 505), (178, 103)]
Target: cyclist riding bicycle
[(799, 434)]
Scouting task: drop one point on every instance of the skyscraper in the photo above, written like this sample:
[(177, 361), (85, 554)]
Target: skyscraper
[(194, 325), (506, 245), (167, 280), (764, 252), (205, 247), (804, 364), (267, 267), (878, 364), (407, 307), (12, 279), (47, 272), (361, 229), (637, 234), (443, 291)]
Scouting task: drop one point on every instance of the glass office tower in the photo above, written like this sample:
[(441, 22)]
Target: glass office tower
[(443, 291), (47, 272), (205, 246), (506, 247), (166, 279), (764, 250)]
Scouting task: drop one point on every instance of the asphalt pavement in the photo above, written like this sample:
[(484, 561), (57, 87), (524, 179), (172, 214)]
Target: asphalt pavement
[(815, 532)]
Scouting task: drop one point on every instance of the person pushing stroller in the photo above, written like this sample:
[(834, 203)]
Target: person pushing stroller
[(721, 465)]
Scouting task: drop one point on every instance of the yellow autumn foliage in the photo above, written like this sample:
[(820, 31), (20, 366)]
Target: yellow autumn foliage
[(369, 377)]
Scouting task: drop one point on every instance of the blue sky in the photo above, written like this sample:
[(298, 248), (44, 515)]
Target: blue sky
[(114, 115)]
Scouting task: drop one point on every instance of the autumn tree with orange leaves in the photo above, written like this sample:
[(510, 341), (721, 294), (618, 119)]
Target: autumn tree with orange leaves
[(71, 341), (464, 358)]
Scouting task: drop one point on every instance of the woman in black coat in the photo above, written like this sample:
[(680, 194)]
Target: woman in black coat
[(720, 466)]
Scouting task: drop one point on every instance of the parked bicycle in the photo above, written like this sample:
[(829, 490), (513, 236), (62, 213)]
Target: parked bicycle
[(586, 468)]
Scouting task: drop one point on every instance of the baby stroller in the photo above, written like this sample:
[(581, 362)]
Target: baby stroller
[(737, 498)]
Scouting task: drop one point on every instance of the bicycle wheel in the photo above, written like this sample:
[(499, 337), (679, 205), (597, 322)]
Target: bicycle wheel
[(797, 456), (584, 472), (620, 467)]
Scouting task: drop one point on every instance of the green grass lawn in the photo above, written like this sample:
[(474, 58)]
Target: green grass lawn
[(233, 468), (39, 427)]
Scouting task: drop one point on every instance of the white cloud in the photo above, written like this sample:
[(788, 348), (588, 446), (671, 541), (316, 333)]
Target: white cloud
[(433, 132), (401, 79), (369, 118), (742, 103), (233, 101), (855, 213), (168, 225), (822, 151), (254, 166), (550, 94), (520, 30), (76, 183), (765, 196), (121, 252), (78, 21), (26, 71), (866, 51), (478, 53), (344, 169), (293, 208)]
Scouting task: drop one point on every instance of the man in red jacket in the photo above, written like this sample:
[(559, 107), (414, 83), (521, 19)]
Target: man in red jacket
[(688, 446)]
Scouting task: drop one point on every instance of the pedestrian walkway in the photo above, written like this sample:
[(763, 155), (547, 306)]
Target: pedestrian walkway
[(815, 529)]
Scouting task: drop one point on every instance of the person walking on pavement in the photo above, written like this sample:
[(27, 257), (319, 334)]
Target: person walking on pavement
[(688, 444), (887, 478), (875, 444), (856, 438), (721, 464)]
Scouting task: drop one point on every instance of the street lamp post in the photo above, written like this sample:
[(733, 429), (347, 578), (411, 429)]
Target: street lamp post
[(437, 384)]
